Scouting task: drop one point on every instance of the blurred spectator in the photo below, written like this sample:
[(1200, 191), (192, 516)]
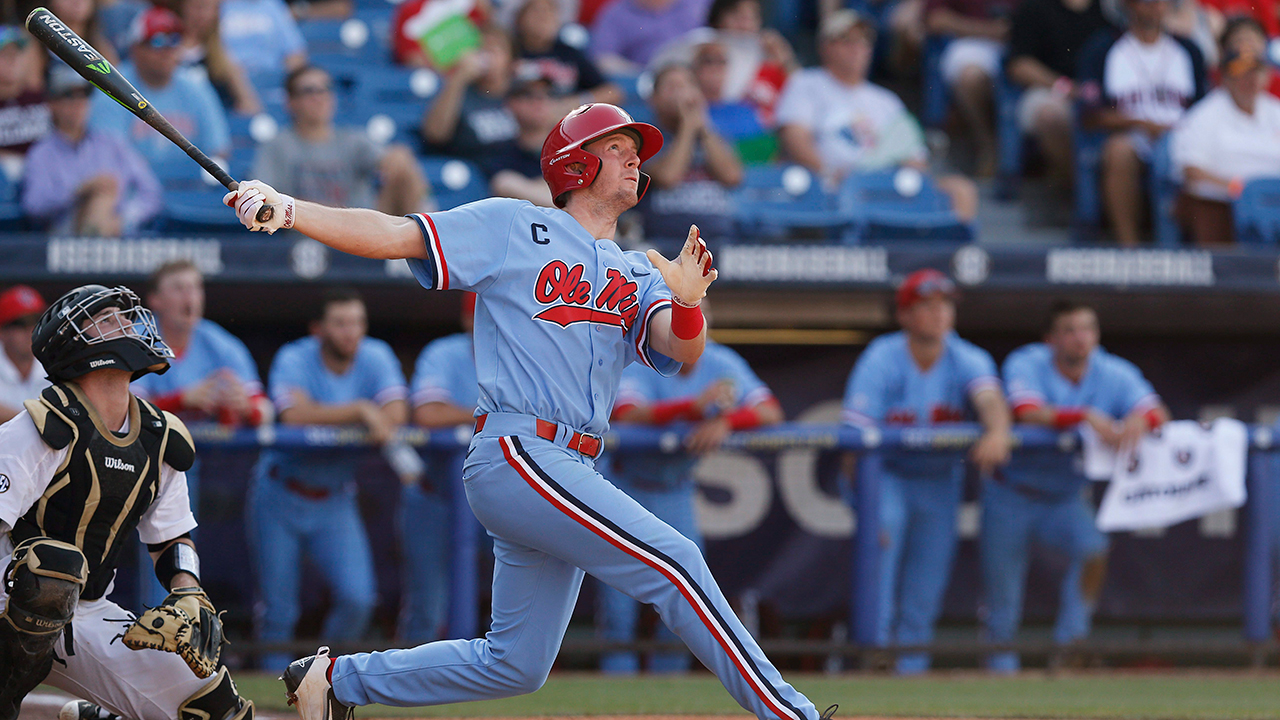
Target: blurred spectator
[(536, 32), (759, 58), (719, 394), (695, 169), (444, 395), (186, 99), (303, 504), (24, 117), (262, 36), (1227, 139), (1240, 31), (834, 122), (738, 121), (321, 9), (314, 160), (924, 375), (1199, 23), (212, 377), (1265, 12), (970, 64), (1064, 382), (202, 47), (445, 25), (1045, 41), (626, 34), (469, 117), (514, 168), (84, 180), (1135, 85), (901, 25), (21, 376)]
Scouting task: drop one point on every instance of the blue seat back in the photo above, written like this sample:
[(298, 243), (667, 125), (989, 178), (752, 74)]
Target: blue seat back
[(889, 206), (1257, 212), (774, 200), (454, 181)]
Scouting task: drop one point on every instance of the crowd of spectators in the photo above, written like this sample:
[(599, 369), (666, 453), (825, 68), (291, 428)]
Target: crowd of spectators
[(731, 92)]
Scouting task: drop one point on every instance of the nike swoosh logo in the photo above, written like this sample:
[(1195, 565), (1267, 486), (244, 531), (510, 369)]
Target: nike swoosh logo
[(637, 273)]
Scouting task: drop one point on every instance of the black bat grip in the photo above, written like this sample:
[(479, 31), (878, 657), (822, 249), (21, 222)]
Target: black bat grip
[(265, 213)]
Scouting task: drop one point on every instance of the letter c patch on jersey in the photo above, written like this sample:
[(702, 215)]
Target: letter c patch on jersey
[(616, 305), (539, 233)]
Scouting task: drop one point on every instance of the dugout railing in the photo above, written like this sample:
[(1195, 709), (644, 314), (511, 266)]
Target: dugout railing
[(868, 446)]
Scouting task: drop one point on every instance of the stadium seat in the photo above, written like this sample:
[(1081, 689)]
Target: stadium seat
[(902, 204), (353, 37), (196, 210), (454, 181), (933, 111), (1163, 191), (1009, 138), (774, 200), (1257, 212)]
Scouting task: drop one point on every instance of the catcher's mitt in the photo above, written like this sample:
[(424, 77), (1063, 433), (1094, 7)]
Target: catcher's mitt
[(185, 623)]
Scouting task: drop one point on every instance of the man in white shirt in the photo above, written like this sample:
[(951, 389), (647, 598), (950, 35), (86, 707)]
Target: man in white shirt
[(1228, 138), (1135, 85), (21, 377), (834, 122)]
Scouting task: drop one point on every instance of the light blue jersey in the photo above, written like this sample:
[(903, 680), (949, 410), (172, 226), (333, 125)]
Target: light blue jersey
[(642, 386), (570, 313), (211, 348), (446, 372), (374, 375), (888, 388), (1111, 385)]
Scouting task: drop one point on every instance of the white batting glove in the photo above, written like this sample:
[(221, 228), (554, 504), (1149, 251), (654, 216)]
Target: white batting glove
[(690, 274), (251, 196)]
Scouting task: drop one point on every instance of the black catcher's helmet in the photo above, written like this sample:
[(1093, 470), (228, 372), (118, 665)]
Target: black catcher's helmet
[(69, 342)]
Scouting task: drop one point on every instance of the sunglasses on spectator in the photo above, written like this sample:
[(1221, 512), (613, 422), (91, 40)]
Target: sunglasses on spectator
[(163, 41), (304, 90)]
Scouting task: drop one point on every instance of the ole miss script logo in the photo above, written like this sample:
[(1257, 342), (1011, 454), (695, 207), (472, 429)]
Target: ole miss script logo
[(615, 305)]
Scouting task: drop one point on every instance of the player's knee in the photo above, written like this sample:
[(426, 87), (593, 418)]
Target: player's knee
[(44, 580), (525, 679)]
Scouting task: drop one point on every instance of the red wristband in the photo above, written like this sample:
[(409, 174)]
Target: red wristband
[(744, 418), (665, 412), (686, 322), (1067, 417), (1154, 418)]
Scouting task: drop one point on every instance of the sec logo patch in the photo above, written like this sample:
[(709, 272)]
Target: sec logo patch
[(4, 482)]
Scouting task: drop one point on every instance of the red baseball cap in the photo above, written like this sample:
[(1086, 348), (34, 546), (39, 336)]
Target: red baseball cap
[(20, 301), (923, 283), (153, 22)]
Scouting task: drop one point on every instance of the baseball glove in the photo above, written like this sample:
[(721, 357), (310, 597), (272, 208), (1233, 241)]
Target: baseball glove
[(186, 624)]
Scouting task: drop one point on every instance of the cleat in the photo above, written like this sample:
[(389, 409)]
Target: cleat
[(829, 713), (306, 685), (85, 710)]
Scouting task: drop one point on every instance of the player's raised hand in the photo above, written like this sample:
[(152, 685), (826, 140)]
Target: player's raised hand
[(690, 274), (250, 196)]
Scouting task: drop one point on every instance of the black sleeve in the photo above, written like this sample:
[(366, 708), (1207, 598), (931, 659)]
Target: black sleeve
[(589, 76), (1027, 31)]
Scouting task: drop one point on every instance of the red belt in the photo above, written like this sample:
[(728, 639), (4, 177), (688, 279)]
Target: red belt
[(307, 492), (584, 443)]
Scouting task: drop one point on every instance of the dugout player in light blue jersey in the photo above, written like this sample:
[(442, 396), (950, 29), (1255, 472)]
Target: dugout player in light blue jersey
[(212, 377), (1041, 497), (561, 311), (924, 375), (720, 394), (443, 395), (303, 504)]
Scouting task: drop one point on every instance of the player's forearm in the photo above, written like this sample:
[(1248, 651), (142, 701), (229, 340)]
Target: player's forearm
[(395, 412), (179, 579), (664, 339), (993, 411), (1030, 72), (367, 233), (1036, 415), (312, 413), (723, 163), (8, 412), (441, 415)]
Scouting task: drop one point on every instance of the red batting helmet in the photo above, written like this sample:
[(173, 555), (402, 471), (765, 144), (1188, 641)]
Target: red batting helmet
[(563, 147)]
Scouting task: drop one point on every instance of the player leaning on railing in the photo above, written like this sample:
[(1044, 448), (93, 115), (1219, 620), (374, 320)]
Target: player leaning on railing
[(561, 311), (80, 468)]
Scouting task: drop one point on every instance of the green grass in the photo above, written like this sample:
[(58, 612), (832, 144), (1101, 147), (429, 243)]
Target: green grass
[(1199, 696)]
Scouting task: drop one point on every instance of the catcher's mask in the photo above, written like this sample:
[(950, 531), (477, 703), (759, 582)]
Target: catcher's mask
[(95, 327)]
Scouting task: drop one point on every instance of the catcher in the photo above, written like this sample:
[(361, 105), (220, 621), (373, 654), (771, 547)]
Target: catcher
[(80, 468)]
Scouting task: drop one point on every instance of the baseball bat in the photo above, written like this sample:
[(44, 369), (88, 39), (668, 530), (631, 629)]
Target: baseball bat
[(89, 63)]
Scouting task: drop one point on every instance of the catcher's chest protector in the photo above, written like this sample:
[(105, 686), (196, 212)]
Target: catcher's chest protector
[(107, 480)]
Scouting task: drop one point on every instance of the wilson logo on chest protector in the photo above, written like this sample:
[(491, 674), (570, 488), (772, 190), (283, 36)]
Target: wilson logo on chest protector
[(118, 464), (615, 305)]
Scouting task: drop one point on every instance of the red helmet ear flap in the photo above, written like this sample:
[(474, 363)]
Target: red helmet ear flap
[(570, 180), (642, 185)]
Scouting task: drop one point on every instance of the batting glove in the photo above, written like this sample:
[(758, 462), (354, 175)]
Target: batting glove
[(251, 196), (690, 274)]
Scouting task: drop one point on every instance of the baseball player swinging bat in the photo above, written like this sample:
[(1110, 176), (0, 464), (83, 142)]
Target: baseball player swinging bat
[(80, 55)]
